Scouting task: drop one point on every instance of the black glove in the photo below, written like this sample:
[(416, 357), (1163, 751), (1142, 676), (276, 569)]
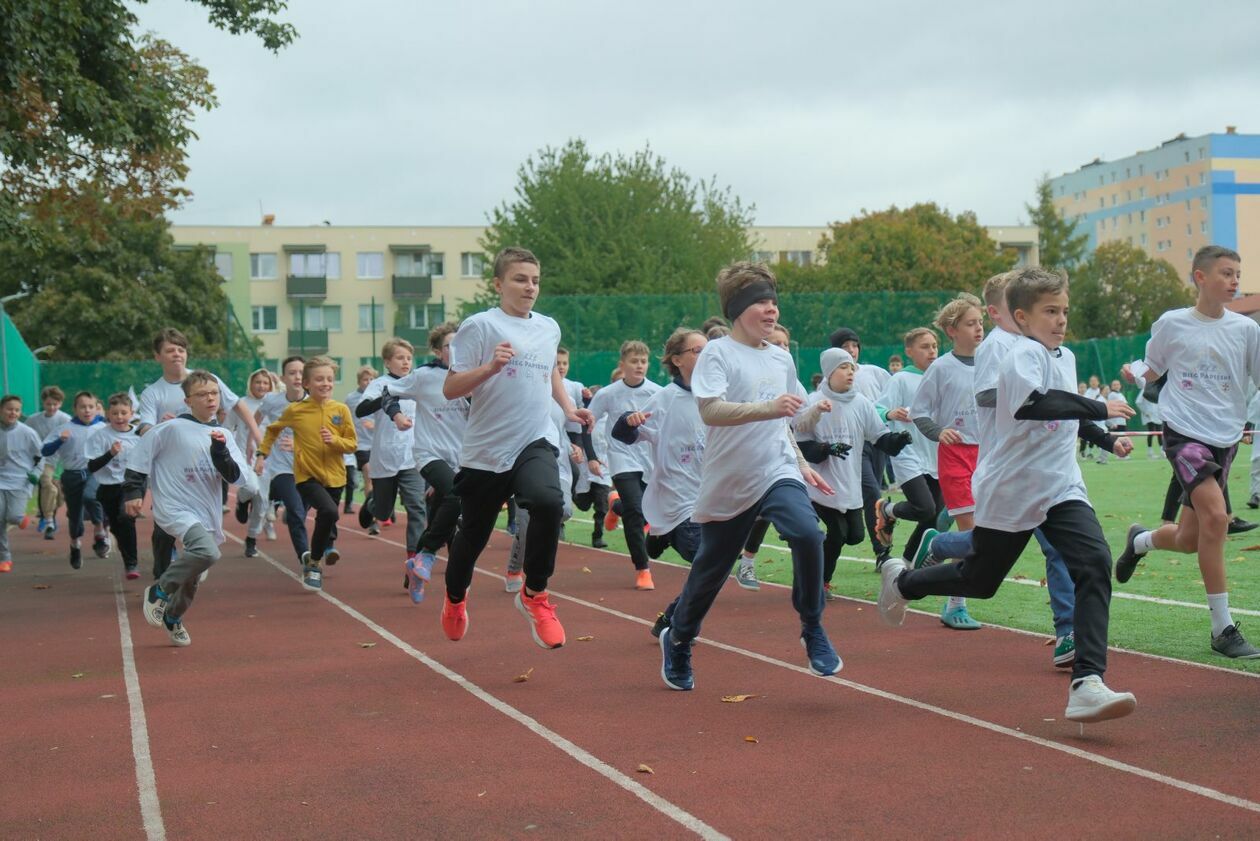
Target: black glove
[(893, 442), (839, 450)]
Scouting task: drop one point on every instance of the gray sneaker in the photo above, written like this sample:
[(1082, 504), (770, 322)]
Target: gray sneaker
[(892, 605), (746, 576), (1231, 643)]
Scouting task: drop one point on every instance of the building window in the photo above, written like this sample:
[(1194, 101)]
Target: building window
[(1141, 192), (1202, 178), (424, 316), (371, 317), (1187, 154), (1162, 245), (262, 266), (1202, 153), (1142, 216), (272, 363), (318, 317), (1101, 202), (1203, 202), (1159, 175), (1128, 173), (223, 264), (1128, 195), (1187, 204), (798, 258), (419, 264), (1159, 199), (1187, 180), (263, 319), (370, 265), (338, 373), (1143, 240), (307, 264), (766, 257), (1114, 197), (1203, 227), (332, 265), (472, 264), (1141, 169), (370, 361), (1115, 220)]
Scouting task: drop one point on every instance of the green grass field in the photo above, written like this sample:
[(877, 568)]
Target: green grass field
[(1123, 492)]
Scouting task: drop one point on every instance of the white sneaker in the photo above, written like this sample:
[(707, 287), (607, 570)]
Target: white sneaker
[(746, 576), (892, 605), (1089, 699), (270, 531), (179, 634)]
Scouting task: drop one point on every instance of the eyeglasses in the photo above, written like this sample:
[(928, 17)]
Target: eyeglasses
[(695, 350)]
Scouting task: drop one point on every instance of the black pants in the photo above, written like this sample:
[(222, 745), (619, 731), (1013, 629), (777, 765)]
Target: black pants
[(443, 506), (123, 527), (325, 502), (923, 504), (284, 489), (873, 465), (844, 528), (350, 483), (535, 482), (756, 535), (1072, 528), (78, 504), (596, 496), (630, 487), (163, 546), (1150, 439), (684, 537)]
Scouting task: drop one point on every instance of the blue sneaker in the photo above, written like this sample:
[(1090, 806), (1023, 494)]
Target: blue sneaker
[(427, 560), (676, 664), (959, 619), (924, 557), (43, 524), (823, 659), (417, 577)]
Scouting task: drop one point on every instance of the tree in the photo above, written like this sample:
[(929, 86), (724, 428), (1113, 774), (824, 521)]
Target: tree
[(619, 224), (104, 298), (920, 248), (1060, 245), (1120, 291)]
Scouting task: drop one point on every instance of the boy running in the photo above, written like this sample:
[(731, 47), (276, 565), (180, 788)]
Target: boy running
[(19, 458), (107, 461), (279, 478), (70, 445), (1211, 355), (45, 424), (363, 430)]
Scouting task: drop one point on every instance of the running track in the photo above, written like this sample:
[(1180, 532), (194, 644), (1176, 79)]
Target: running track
[(348, 714)]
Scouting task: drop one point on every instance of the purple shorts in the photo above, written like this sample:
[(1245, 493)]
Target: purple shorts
[(1194, 462)]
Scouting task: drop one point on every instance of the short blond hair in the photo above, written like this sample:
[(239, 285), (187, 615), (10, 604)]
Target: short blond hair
[(952, 313), (634, 347), (511, 255), (319, 362), (914, 335), (394, 345), (995, 288), (1029, 285), (366, 369), (737, 275)]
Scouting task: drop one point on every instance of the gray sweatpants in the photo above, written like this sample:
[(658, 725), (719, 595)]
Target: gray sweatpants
[(179, 582), (409, 486), (516, 555), (260, 507), (12, 510), (1255, 468)]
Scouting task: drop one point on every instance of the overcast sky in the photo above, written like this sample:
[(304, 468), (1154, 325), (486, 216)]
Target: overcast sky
[(394, 112)]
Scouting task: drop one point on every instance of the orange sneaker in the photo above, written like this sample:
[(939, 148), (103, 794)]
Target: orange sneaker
[(454, 619), (543, 624), (26, 521), (612, 518), (643, 580), (6, 566)]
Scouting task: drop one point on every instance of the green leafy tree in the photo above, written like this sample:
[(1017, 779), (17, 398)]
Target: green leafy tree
[(618, 224), (1120, 291), (921, 248), (1060, 245)]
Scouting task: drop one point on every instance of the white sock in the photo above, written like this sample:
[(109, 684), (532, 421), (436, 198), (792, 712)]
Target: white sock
[(1218, 606), (1144, 542), (747, 560), (956, 602)]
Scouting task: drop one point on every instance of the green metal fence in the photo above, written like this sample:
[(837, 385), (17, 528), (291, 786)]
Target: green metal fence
[(21, 369), (105, 378)]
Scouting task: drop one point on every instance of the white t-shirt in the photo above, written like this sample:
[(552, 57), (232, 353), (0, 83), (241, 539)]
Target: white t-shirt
[(1150, 411), (440, 423), (1210, 364), (947, 396), (599, 443), (161, 398), (869, 381), (393, 449), (512, 409), (742, 462), (45, 426), (19, 453), (1032, 465), (674, 438), (989, 356), (1117, 397), (73, 451), (613, 401), (362, 434), (102, 439), (565, 464), (574, 389), (186, 487), (918, 459), (851, 422), (237, 425), (279, 460)]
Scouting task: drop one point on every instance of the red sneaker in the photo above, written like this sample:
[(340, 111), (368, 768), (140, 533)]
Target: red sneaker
[(26, 521), (643, 580), (6, 566), (455, 619), (612, 518), (543, 623)]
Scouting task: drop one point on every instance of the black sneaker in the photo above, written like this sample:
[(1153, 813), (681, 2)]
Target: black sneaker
[(242, 511), (661, 623), (1128, 560), (881, 558), (349, 509), (1254, 501), (1239, 525), (76, 557), (676, 664), (597, 541), (1231, 643), (101, 547), (365, 514), (251, 547)]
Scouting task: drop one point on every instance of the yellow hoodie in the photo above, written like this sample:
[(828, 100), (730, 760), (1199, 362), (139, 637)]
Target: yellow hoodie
[(312, 458)]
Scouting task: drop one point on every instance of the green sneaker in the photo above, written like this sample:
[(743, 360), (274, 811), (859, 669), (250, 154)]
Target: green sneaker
[(1065, 650), (923, 557), (958, 619)]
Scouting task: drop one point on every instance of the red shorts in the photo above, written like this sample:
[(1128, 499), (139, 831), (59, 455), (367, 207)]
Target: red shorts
[(954, 464)]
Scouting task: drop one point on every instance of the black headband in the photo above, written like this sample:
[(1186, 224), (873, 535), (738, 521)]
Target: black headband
[(758, 290)]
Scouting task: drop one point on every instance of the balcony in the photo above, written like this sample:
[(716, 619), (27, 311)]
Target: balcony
[(306, 287), (418, 336), (413, 286), (308, 342)]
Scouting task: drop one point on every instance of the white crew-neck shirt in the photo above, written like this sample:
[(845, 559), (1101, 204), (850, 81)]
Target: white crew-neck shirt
[(440, 423), (674, 438), (919, 459), (853, 421), (947, 396), (100, 443), (613, 401), (20, 448), (270, 408), (512, 409), (742, 462), (162, 397), (393, 449)]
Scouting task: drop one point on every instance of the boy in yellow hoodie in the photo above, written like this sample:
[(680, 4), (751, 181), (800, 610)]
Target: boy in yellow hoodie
[(323, 432)]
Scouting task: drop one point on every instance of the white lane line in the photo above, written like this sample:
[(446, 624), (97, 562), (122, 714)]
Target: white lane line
[(660, 804), (1098, 759), (146, 782)]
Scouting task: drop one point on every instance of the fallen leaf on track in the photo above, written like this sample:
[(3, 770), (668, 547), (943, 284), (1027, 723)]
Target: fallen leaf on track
[(1020, 577), (587, 570), (367, 645), (77, 675), (586, 638), (1050, 641), (1041, 583), (524, 677), (49, 586), (645, 769), (751, 739), (736, 699)]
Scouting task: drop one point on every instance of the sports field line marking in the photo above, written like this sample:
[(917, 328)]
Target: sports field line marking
[(1078, 753), (585, 757), (1026, 582), (146, 782)]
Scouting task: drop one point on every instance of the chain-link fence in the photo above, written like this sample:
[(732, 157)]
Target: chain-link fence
[(105, 378)]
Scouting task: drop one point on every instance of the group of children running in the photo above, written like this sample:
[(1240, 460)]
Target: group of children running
[(986, 433)]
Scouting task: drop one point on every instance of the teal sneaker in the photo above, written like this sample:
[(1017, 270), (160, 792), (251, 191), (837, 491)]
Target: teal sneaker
[(923, 557), (959, 619), (1065, 650)]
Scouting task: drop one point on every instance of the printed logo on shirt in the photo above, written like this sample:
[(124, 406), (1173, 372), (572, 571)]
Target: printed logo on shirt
[(336, 419), (1053, 425), (767, 390)]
